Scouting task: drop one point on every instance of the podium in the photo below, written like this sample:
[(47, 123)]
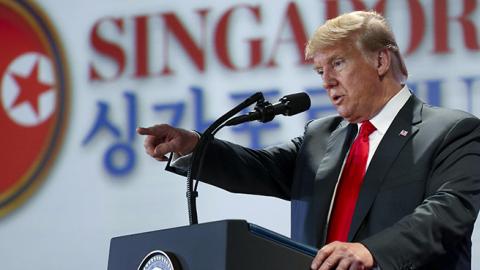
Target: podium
[(228, 244)]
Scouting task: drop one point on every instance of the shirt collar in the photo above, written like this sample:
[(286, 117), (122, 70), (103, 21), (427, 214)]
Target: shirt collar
[(385, 117)]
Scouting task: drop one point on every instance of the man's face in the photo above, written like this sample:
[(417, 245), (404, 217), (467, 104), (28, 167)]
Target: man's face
[(352, 82)]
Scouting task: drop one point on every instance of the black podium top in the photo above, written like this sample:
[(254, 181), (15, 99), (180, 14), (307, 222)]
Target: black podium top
[(228, 244)]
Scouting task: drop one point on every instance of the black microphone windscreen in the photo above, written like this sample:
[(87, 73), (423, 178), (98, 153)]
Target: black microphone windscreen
[(296, 103)]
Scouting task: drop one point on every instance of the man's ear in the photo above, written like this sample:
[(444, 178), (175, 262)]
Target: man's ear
[(384, 61)]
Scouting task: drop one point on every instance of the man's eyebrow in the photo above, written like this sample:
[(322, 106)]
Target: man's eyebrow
[(331, 59), (335, 57)]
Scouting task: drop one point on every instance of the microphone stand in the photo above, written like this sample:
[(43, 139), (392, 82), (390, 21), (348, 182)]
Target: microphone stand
[(199, 153)]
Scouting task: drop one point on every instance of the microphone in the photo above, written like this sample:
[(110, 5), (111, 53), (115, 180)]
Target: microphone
[(265, 111)]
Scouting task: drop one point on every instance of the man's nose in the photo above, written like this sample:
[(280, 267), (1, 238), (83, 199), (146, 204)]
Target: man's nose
[(329, 80)]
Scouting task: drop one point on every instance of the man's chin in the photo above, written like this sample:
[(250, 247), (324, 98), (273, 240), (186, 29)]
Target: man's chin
[(347, 116), (350, 118)]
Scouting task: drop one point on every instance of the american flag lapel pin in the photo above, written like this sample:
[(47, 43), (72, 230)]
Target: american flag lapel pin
[(403, 133)]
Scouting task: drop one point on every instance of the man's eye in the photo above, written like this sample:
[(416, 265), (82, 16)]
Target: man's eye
[(338, 63)]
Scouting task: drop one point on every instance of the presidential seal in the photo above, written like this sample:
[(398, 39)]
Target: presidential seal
[(159, 260)]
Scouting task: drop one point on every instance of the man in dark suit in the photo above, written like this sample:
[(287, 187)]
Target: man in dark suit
[(403, 192)]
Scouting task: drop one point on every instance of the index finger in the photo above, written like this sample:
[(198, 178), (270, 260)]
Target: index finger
[(145, 131)]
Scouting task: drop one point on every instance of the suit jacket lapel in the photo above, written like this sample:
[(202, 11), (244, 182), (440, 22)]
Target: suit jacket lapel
[(327, 174), (400, 131)]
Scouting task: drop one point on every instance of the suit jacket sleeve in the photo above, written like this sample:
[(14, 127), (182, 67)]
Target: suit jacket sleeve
[(448, 213), (240, 169)]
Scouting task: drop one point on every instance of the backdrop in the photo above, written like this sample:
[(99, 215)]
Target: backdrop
[(78, 76)]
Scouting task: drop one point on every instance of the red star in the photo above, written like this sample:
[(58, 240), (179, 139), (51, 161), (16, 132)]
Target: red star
[(30, 88)]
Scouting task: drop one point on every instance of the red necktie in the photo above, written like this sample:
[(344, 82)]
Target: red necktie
[(349, 186)]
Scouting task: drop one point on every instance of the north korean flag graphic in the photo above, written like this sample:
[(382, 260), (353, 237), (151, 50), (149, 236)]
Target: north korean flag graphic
[(32, 99)]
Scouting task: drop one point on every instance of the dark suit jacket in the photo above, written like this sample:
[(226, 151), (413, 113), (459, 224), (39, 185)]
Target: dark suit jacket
[(420, 196)]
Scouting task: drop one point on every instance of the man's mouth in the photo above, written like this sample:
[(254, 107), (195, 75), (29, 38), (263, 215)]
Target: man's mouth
[(337, 99)]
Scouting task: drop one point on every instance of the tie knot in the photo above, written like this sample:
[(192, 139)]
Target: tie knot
[(366, 129)]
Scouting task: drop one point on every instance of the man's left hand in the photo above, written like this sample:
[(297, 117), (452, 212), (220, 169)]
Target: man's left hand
[(343, 256)]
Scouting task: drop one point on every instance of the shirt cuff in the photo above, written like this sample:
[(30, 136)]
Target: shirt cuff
[(181, 162)]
